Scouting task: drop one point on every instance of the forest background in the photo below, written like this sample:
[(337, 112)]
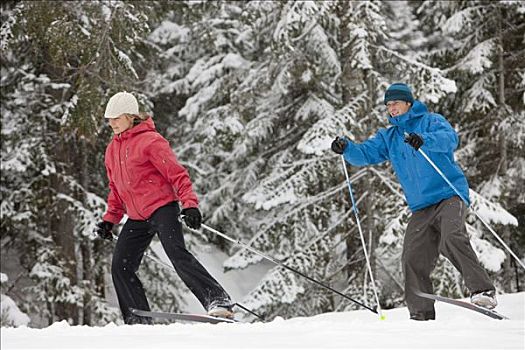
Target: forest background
[(250, 95)]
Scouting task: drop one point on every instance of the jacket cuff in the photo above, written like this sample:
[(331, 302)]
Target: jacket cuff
[(190, 204), (114, 219)]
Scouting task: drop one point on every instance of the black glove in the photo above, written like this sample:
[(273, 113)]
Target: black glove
[(339, 144), (192, 218), (103, 230), (414, 140)]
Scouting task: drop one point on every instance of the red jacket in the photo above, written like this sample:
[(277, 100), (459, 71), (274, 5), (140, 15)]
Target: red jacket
[(144, 174)]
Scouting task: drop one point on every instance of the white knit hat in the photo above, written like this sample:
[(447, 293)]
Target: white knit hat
[(121, 103)]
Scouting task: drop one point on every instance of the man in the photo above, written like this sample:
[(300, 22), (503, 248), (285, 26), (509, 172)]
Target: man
[(437, 224)]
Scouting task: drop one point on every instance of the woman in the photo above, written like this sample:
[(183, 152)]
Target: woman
[(147, 183)]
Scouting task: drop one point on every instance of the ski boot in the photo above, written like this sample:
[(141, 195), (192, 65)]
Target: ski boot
[(486, 299)]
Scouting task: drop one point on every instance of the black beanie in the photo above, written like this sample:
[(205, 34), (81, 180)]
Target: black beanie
[(399, 92)]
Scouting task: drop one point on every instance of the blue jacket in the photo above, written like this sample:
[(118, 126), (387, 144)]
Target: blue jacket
[(422, 185)]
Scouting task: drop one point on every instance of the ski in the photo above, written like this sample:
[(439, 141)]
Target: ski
[(464, 304), (182, 317)]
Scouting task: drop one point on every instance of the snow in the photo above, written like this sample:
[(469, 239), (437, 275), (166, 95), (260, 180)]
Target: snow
[(480, 95), (306, 77), (17, 161), (242, 259), (9, 311), (286, 196), (126, 60), (235, 61), (320, 136), (455, 328), (106, 12), (491, 211), (286, 292), (479, 58), (238, 283), (168, 32), (489, 256), (307, 29), (69, 107), (360, 32), (448, 86), (457, 21)]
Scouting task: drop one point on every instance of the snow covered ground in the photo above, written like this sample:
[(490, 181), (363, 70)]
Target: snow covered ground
[(455, 328)]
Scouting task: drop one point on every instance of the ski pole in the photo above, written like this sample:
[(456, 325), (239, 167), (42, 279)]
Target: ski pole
[(362, 237), (162, 263), (250, 311), (277, 262), (466, 202)]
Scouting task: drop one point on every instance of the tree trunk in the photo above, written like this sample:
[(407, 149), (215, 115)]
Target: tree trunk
[(502, 103), (343, 10), (63, 229), (503, 165), (88, 282)]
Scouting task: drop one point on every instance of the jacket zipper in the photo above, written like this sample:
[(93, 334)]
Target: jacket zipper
[(127, 173)]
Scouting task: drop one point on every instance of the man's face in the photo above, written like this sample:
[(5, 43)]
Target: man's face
[(120, 124), (396, 107)]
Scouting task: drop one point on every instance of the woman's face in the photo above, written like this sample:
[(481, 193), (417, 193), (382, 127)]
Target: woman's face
[(121, 123)]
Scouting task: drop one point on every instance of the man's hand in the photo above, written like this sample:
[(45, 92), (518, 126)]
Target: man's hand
[(339, 144), (103, 230), (414, 140), (192, 217)]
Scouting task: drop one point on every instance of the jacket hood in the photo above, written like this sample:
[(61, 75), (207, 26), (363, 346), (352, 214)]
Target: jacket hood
[(144, 126), (417, 110)]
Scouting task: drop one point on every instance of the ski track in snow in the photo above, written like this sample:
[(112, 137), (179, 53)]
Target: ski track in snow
[(455, 328)]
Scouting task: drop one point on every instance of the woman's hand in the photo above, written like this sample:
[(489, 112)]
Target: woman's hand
[(192, 217), (104, 230)]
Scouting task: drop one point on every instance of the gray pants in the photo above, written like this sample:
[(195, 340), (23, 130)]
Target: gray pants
[(439, 228)]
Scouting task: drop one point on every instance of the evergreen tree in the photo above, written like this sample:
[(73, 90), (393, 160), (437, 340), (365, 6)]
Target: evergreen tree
[(60, 61), (304, 72), (481, 47), (250, 94)]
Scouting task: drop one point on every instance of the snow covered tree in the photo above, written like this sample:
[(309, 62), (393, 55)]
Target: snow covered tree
[(10, 314), (266, 86), (480, 45), (60, 61), (250, 94)]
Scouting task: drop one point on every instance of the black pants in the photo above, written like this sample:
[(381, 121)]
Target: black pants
[(439, 228), (133, 240)]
